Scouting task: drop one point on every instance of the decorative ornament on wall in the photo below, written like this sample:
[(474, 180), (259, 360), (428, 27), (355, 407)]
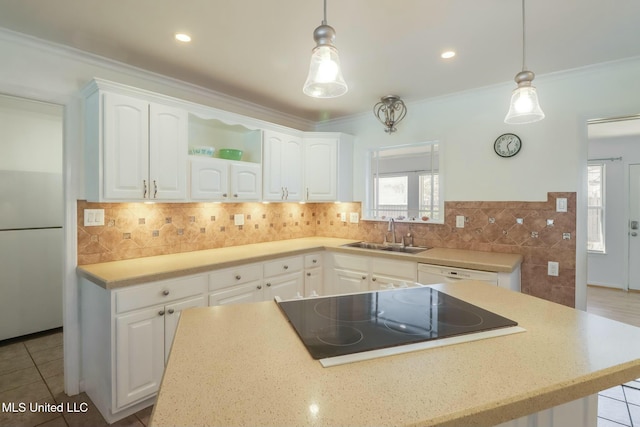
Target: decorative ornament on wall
[(507, 145)]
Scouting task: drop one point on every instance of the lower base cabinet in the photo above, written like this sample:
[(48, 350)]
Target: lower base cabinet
[(122, 364)]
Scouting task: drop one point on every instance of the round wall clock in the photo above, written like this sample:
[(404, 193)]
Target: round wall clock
[(507, 145)]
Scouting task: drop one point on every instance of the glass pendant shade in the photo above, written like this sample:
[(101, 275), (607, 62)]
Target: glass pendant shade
[(524, 107), (325, 77)]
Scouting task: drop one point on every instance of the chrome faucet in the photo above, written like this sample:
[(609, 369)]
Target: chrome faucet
[(392, 229)]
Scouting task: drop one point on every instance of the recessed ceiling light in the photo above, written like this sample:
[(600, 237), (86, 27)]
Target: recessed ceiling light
[(447, 54), (181, 37)]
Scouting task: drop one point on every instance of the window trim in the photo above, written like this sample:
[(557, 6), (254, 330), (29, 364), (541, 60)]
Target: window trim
[(370, 185), (601, 208)]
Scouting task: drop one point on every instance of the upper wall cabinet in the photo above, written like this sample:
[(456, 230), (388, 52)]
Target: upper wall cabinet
[(328, 165), (282, 167), (136, 150)]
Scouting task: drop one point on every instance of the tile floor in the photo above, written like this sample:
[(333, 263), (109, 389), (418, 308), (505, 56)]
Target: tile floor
[(32, 371), (620, 405)]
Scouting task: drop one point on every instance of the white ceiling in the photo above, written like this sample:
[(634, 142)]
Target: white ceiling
[(259, 50)]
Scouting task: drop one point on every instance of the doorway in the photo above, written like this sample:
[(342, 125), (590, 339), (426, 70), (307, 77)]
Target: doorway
[(614, 150)]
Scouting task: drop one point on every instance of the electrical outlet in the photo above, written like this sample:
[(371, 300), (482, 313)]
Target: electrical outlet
[(238, 219), (459, 221), (343, 216), (354, 217), (93, 217), (553, 268)]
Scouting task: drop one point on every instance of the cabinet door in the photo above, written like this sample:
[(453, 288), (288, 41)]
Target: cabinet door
[(348, 282), (167, 153), (250, 292), (286, 287), (126, 147), (209, 179), (320, 169), (313, 282), (171, 317), (282, 167), (245, 181), (139, 354)]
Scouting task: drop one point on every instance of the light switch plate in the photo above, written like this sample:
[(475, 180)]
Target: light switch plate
[(354, 217), (561, 204), (93, 217), (238, 219), (343, 216), (460, 221)]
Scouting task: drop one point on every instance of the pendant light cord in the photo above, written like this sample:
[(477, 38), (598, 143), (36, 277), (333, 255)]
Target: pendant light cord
[(523, 39), (324, 21)]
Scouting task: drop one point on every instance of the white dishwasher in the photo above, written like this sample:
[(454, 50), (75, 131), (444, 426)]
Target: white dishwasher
[(429, 274)]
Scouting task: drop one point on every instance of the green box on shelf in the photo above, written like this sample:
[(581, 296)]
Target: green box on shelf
[(230, 154)]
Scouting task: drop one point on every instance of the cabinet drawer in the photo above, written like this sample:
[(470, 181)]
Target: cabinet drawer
[(407, 270), (158, 293), (283, 266), (234, 276), (313, 260)]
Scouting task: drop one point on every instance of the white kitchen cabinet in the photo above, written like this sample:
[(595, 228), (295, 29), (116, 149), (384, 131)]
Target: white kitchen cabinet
[(224, 180), (360, 273), (126, 337), (238, 294), (282, 167), (134, 149), (313, 274), (328, 166)]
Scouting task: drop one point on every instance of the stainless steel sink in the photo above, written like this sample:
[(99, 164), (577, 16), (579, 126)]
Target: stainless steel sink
[(386, 247)]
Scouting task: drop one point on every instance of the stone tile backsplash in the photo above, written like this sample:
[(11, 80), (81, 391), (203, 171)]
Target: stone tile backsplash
[(533, 229)]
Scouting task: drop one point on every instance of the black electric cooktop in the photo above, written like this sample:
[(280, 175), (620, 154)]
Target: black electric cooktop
[(346, 324)]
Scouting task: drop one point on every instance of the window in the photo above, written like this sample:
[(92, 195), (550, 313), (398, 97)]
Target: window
[(595, 203), (404, 183)]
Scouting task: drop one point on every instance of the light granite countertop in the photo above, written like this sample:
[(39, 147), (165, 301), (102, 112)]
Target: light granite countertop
[(245, 365), (117, 274)]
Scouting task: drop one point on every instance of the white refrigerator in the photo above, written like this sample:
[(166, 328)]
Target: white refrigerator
[(31, 252)]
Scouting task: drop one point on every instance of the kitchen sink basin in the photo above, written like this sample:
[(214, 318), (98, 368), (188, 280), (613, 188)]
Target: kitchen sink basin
[(386, 247)]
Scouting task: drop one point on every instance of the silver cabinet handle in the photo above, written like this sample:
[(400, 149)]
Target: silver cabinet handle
[(286, 267), (634, 234), (259, 286), (144, 184), (235, 195), (161, 313), (374, 279), (155, 189), (238, 277), (307, 193), (634, 225), (314, 261), (268, 285), (224, 194), (165, 292), (282, 195), (308, 274), (364, 277), (286, 196), (171, 311)]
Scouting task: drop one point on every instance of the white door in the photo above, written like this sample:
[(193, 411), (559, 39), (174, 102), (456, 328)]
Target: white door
[(348, 282), (634, 226), (171, 317), (245, 181), (126, 147), (167, 153), (209, 179), (241, 294), (273, 185), (320, 171), (139, 354), (292, 168), (313, 282), (286, 287)]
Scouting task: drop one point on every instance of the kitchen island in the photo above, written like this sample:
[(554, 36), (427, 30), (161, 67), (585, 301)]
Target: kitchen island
[(245, 365)]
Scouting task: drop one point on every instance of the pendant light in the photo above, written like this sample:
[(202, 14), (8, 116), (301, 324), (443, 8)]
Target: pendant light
[(325, 78), (524, 106)]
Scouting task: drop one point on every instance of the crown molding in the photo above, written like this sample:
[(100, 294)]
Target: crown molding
[(236, 105)]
